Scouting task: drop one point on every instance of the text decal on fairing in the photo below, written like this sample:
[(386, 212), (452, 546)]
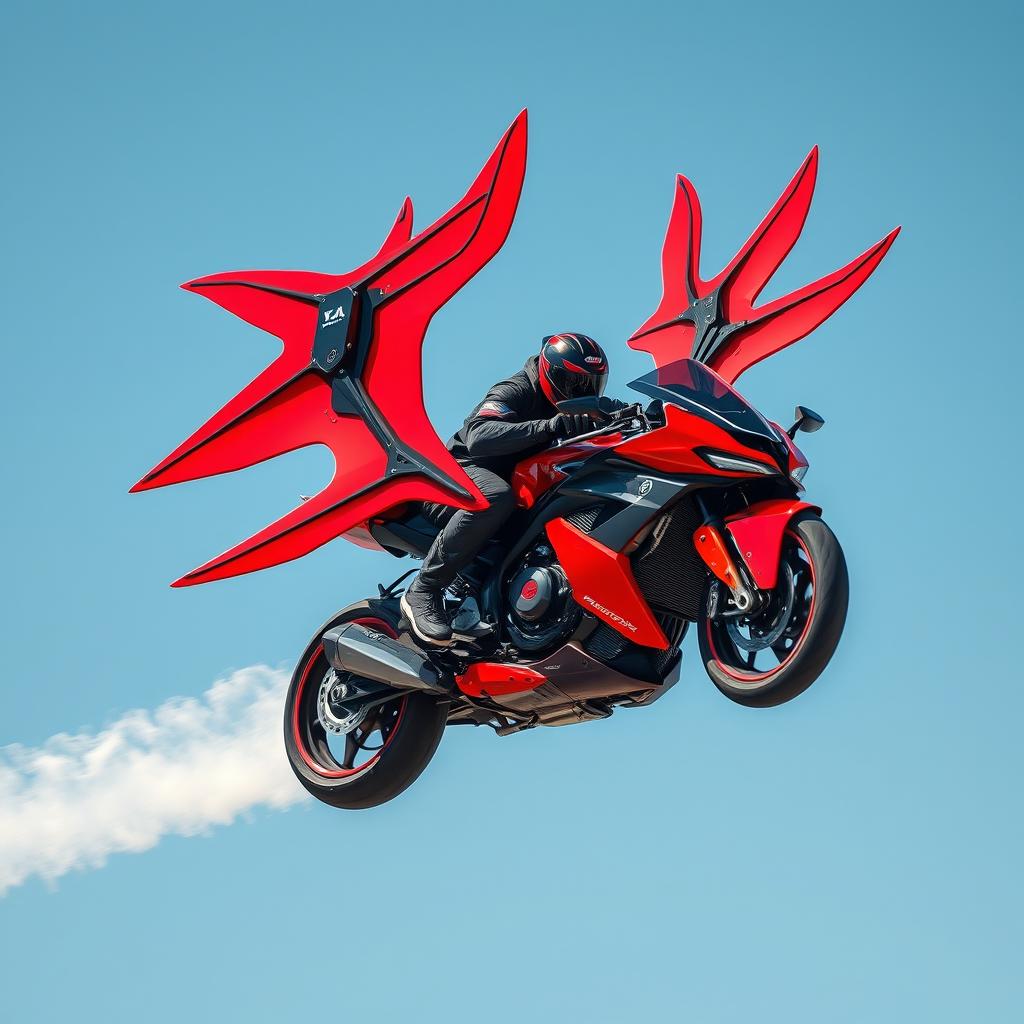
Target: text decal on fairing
[(597, 606), (334, 316)]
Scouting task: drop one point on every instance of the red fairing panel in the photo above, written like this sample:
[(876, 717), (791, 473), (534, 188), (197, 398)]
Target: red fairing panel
[(289, 405), (493, 679), (758, 532), (715, 321), (538, 473), (602, 583), (796, 456), (670, 448)]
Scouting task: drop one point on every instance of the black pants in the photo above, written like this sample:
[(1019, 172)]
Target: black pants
[(465, 533)]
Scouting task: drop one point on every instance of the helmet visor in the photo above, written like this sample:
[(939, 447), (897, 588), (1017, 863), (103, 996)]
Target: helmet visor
[(578, 383)]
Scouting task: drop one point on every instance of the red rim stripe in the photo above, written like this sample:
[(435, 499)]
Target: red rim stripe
[(300, 743)]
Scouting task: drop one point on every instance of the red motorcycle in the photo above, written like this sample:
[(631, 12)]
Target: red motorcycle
[(684, 511)]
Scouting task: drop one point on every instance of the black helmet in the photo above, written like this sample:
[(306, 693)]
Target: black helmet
[(571, 366)]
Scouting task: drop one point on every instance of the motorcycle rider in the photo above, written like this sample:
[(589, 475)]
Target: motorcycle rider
[(516, 417)]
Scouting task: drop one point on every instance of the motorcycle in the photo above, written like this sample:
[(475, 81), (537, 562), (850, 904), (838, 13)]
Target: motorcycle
[(686, 511)]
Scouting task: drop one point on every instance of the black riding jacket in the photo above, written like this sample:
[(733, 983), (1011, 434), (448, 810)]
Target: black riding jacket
[(513, 420)]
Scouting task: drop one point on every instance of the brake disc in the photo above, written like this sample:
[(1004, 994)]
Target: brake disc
[(332, 712), (761, 639)]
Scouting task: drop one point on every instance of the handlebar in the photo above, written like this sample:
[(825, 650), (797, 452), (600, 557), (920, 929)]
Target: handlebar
[(632, 417)]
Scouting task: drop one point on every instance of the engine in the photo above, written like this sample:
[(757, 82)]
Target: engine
[(541, 612)]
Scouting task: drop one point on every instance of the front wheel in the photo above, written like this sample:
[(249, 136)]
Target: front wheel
[(354, 743), (770, 657)]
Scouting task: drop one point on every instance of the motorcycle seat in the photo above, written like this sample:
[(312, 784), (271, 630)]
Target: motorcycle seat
[(410, 532)]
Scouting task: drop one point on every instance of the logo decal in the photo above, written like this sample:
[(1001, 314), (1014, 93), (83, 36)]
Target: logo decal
[(333, 316), (645, 487), (493, 408), (607, 612), (594, 359)]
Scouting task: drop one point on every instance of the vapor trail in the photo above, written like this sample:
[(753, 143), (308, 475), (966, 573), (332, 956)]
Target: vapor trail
[(179, 770)]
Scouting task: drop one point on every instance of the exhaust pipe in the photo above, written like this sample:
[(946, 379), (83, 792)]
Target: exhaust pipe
[(373, 655)]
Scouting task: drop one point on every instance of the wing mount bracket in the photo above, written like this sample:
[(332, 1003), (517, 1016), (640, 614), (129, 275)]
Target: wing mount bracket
[(710, 328), (349, 398)]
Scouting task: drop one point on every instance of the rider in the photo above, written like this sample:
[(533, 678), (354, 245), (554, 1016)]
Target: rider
[(516, 417)]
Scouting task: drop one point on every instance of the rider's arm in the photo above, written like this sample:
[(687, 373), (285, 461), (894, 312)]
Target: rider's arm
[(496, 429), (506, 423)]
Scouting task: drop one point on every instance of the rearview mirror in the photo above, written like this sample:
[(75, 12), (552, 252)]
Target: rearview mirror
[(807, 420)]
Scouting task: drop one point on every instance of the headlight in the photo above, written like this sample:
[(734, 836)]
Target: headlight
[(798, 474), (737, 464)]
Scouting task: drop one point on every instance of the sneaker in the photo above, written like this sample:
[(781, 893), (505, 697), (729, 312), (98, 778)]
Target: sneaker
[(424, 608)]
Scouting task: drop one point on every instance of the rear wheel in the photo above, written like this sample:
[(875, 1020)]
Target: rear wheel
[(773, 655), (355, 743)]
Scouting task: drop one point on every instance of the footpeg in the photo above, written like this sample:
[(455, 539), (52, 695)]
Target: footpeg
[(467, 624)]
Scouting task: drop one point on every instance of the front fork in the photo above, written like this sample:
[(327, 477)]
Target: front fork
[(744, 550), (710, 542)]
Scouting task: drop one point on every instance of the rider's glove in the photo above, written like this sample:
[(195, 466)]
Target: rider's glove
[(570, 424)]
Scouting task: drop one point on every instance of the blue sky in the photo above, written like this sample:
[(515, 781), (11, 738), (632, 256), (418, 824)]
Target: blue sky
[(853, 856)]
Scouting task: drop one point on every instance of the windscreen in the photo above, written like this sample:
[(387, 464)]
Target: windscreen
[(693, 386)]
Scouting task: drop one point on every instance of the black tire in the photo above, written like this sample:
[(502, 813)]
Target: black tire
[(817, 640), (406, 752)]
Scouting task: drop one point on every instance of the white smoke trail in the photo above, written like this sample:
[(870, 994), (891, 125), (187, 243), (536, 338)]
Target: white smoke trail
[(181, 769)]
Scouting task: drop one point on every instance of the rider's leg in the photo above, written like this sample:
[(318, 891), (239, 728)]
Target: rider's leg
[(455, 547)]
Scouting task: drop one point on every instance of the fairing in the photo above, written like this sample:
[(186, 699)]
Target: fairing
[(350, 375), (716, 321), (795, 458), (494, 679), (603, 584), (673, 447), (538, 473)]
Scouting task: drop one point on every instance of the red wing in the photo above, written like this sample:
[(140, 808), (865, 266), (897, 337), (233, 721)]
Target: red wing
[(715, 321), (786, 320), (428, 272), (350, 375), (401, 231)]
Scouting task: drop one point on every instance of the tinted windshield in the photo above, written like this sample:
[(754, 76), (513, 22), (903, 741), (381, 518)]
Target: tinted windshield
[(693, 386)]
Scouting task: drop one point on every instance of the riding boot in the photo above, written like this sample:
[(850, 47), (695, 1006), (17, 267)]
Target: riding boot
[(423, 605)]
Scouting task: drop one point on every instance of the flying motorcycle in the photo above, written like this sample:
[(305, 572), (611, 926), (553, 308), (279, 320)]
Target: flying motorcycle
[(683, 510)]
